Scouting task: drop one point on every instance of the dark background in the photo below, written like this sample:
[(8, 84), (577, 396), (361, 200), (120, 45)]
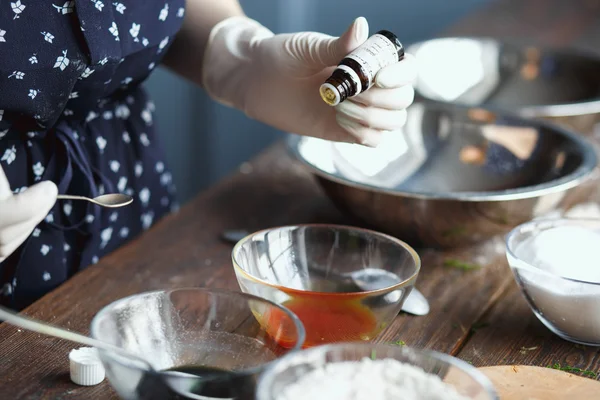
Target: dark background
[(205, 141)]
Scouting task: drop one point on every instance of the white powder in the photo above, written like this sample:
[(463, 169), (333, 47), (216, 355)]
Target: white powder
[(571, 252), (384, 379)]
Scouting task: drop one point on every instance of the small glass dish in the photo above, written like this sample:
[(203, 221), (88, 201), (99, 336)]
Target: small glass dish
[(569, 307), (344, 283), (463, 377), (210, 333)]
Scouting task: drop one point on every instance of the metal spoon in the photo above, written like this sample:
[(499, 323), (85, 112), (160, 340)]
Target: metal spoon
[(371, 278), (111, 200), (168, 382), (415, 303)]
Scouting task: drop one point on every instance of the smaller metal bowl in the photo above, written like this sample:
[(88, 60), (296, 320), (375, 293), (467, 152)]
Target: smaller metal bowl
[(464, 378), (560, 85), (453, 176), (567, 305)]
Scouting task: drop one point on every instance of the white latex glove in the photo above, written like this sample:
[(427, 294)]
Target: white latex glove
[(20, 213), (275, 79)]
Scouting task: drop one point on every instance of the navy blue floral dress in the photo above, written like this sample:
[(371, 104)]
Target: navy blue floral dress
[(72, 111)]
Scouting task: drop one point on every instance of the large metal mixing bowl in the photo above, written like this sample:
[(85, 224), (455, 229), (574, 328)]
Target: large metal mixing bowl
[(560, 85), (454, 175)]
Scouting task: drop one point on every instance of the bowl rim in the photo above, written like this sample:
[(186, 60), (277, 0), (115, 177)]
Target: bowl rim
[(552, 223), (582, 173), (567, 109), (269, 374), (301, 331), (415, 256)]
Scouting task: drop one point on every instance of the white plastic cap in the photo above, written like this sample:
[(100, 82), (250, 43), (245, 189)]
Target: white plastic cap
[(86, 367), (329, 94)]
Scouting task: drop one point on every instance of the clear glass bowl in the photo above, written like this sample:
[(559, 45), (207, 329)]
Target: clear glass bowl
[(194, 327), (568, 307), (465, 378), (343, 283)]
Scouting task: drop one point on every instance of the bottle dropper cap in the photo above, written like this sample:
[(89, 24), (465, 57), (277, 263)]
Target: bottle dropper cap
[(86, 367), (337, 88), (330, 94)]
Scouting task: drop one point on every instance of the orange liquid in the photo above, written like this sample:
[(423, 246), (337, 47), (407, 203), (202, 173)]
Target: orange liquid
[(325, 320)]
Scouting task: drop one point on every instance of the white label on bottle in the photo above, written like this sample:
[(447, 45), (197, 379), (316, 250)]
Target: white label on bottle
[(376, 53)]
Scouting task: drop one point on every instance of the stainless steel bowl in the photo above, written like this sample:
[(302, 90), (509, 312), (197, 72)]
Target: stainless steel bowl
[(555, 84), (454, 175)]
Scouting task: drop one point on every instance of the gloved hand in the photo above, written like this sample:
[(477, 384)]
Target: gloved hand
[(275, 79), (20, 213)]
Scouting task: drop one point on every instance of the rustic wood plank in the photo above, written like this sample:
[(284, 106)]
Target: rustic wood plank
[(445, 280)]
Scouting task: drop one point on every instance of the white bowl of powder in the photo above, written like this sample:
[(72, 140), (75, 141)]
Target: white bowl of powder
[(368, 371), (556, 263)]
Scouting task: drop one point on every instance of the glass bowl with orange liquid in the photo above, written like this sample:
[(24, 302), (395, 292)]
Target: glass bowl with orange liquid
[(343, 283)]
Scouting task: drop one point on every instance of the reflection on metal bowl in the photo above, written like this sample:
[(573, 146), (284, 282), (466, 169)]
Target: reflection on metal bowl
[(453, 176), (559, 85)]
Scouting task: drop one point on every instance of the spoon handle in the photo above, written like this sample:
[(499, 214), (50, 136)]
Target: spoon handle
[(71, 197), (46, 329)]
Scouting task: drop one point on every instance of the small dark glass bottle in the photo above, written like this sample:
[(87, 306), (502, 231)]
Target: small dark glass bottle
[(356, 72)]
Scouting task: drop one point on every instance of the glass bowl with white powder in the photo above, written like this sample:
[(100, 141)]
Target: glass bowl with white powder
[(556, 263), (369, 371)]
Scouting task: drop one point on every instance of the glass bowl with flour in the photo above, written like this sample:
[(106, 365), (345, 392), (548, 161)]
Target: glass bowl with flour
[(369, 371), (556, 263)]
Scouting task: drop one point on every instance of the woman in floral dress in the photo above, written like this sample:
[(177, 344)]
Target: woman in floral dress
[(75, 119)]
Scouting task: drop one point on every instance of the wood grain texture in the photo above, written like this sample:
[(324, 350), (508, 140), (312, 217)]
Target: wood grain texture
[(445, 283), (185, 250)]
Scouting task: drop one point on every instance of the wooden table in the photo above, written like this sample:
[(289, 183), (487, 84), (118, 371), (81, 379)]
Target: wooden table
[(477, 315)]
